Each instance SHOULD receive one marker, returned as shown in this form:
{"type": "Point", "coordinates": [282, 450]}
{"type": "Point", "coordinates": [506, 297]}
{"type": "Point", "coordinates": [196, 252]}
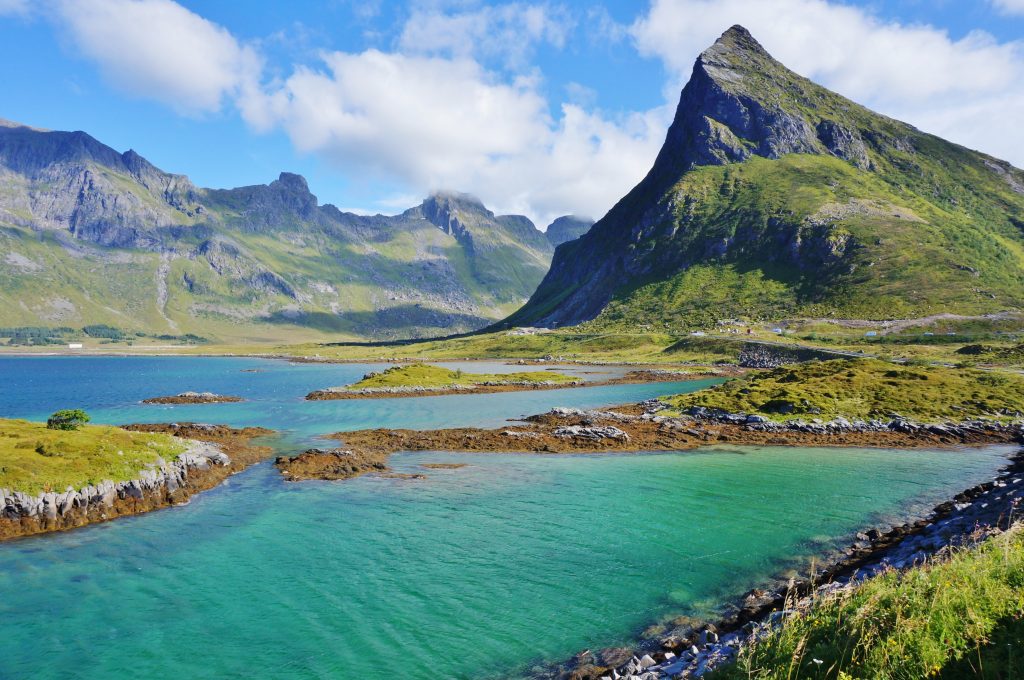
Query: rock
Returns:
{"type": "Point", "coordinates": [592, 433]}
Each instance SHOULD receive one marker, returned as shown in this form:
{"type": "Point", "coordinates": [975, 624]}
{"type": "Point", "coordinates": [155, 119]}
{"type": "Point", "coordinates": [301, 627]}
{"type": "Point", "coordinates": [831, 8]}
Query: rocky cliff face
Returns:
{"type": "Point", "coordinates": [773, 195]}
{"type": "Point", "coordinates": [91, 235]}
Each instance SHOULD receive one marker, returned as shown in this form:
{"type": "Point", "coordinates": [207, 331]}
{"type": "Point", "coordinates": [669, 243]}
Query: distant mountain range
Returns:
{"type": "Point", "coordinates": [89, 235]}
{"type": "Point", "coordinates": [774, 197]}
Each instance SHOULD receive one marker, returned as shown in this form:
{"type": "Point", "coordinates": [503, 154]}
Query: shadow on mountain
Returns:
{"type": "Point", "coordinates": [382, 323]}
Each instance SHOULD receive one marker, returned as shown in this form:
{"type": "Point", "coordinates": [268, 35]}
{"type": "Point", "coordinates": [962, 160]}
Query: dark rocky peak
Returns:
{"type": "Point", "coordinates": [293, 183]}
{"type": "Point", "coordinates": [453, 212]}
{"type": "Point", "coordinates": [567, 228]}
{"type": "Point", "coordinates": [30, 151]}
{"type": "Point", "coordinates": [741, 102]}
{"type": "Point", "coordinates": [136, 164]}
{"type": "Point", "coordinates": [443, 209]}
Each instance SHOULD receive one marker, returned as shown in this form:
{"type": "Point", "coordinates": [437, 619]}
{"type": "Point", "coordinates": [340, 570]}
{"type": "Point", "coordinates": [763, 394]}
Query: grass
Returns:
{"type": "Point", "coordinates": [654, 348]}
{"type": "Point", "coordinates": [424, 375]}
{"type": "Point", "coordinates": [34, 459]}
{"type": "Point", "coordinates": [864, 389]}
{"type": "Point", "coordinates": [958, 618]}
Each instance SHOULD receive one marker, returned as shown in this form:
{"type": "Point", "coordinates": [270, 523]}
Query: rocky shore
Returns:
{"type": "Point", "coordinates": [490, 387]}
{"type": "Point", "coordinates": [214, 452]}
{"type": "Point", "coordinates": [688, 648]}
{"type": "Point", "coordinates": [193, 398]}
{"type": "Point", "coordinates": [636, 428]}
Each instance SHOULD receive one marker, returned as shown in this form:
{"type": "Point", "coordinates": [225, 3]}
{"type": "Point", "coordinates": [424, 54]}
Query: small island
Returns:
{"type": "Point", "coordinates": [418, 380]}
{"type": "Point", "coordinates": [841, 402]}
{"type": "Point", "coordinates": [193, 398]}
{"type": "Point", "coordinates": [65, 473]}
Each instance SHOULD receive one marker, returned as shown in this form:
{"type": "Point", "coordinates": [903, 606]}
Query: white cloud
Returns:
{"type": "Point", "coordinates": [439, 123]}
{"type": "Point", "coordinates": [1009, 6]}
{"type": "Point", "coordinates": [14, 8]}
{"type": "Point", "coordinates": [966, 89]}
{"type": "Point", "coordinates": [432, 115]}
{"type": "Point", "coordinates": [508, 32]}
{"type": "Point", "coordinates": [160, 50]}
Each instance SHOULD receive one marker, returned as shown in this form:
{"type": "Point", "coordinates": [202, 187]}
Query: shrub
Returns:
{"type": "Point", "coordinates": [68, 419]}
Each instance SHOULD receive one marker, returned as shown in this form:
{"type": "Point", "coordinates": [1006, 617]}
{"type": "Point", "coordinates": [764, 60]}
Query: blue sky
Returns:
{"type": "Point", "coordinates": [542, 108]}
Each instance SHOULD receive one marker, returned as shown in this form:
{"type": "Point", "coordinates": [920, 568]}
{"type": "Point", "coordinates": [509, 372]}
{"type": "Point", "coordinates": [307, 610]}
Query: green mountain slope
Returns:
{"type": "Point", "coordinates": [773, 196]}
{"type": "Point", "coordinates": [92, 236]}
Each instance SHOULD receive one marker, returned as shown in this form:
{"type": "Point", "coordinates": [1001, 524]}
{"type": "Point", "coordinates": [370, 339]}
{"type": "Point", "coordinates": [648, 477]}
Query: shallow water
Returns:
{"type": "Point", "coordinates": [472, 572]}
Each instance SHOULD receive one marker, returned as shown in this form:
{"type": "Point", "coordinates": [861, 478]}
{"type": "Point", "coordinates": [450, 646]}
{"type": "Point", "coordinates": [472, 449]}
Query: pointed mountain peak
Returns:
{"type": "Point", "coordinates": [735, 54]}
{"type": "Point", "coordinates": [737, 39]}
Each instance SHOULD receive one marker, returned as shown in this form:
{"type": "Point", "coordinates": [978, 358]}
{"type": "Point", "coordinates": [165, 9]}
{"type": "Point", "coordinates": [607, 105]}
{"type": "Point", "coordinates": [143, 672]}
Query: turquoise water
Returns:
{"type": "Point", "coordinates": [473, 572]}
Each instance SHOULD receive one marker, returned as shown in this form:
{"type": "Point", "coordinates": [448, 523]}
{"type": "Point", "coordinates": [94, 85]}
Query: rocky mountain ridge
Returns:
{"type": "Point", "coordinates": [773, 196]}
{"type": "Point", "coordinates": [91, 235]}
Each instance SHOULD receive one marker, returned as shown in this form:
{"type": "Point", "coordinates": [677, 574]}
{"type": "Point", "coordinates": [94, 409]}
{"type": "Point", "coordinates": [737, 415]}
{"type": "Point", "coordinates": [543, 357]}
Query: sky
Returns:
{"type": "Point", "coordinates": [538, 108]}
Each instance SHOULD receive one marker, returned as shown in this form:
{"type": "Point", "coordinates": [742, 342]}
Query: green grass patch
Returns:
{"type": "Point", "coordinates": [425, 375]}
{"type": "Point", "coordinates": [35, 459]}
{"type": "Point", "coordinates": [960, 618]}
{"type": "Point", "coordinates": [863, 389]}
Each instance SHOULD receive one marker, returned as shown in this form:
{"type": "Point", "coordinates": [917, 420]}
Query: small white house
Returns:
{"type": "Point", "coordinates": [871, 334]}
{"type": "Point", "coordinates": [74, 345]}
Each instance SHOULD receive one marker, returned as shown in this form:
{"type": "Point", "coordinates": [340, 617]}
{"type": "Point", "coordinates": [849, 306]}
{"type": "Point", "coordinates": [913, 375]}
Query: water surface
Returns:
{"type": "Point", "coordinates": [473, 572]}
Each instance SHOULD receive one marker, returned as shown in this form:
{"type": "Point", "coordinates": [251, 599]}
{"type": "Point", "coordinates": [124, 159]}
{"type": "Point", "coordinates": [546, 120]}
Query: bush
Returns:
{"type": "Point", "coordinates": [68, 419]}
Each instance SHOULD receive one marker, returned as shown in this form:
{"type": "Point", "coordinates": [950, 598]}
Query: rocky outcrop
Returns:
{"type": "Point", "coordinates": [163, 483]}
{"type": "Point", "coordinates": [193, 398]}
{"type": "Point", "coordinates": [483, 387]}
{"type": "Point", "coordinates": [221, 452]}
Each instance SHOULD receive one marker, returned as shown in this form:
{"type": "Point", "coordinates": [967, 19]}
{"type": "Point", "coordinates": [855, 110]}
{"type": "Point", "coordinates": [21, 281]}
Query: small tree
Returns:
{"type": "Point", "coordinates": [68, 419]}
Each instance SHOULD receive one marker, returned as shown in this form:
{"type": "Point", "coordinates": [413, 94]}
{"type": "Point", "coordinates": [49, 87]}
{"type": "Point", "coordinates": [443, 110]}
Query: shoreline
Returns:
{"type": "Point", "coordinates": [692, 648]}
{"type": "Point", "coordinates": [630, 429]}
{"type": "Point", "coordinates": [218, 452]}
{"type": "Point", "coordinates": [638, 377]}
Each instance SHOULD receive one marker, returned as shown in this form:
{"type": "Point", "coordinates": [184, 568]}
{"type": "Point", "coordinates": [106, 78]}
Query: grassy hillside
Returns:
{"type": "Point", "coordinates": [865, 389]}
{"type": "Point", "coordinates": [867, 249]}
{"type": "Point", "coordinates": [34, 458]}
{"type": "Point", "coordinates": [606, 347]}
{"type": "Point", "coordinates": [962, 618]}
{"type": "Point", "coordinates": [92, 236]}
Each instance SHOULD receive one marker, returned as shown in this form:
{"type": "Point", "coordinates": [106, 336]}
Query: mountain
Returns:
{"type": "Point", "coordinates": [774, 197]}
{"type": "Point", "coordinates": [89, 235]}
{"type": "Point", "coordinates": [567, 228]}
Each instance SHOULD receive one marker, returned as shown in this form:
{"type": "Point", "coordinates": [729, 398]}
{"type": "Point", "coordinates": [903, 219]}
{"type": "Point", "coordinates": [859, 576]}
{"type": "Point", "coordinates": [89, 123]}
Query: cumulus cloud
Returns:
{"type": "Point", "coordinates": [508, 32]}
{"type": "Point", "coordinates": [458, 104]}
{"type": "Point", "coordinates": [441, 123]}
{"type": "Point", "coordinates": [963, 89]}
{"type": "Point", "coordinates": [161, 50]}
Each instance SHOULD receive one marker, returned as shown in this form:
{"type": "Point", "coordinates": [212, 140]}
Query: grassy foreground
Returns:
{"type": "Point", "coordinates": [35, 459]}
{"type": "Point", "coordinates": [864, 389]}
{"type": "Point", "coordinates": [425, 375]}
{"type": "Point", "coordinates": [959, 618]}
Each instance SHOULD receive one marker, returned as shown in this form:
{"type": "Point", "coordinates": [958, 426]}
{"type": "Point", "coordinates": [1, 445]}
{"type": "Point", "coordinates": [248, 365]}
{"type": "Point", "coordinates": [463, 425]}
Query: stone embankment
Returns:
{"type": "Point", "coordinates": [204, 465]}
{"type": "Point", "coordinates": [193, 398]}
{"type": "Point", "coordinates": [686, 648]}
